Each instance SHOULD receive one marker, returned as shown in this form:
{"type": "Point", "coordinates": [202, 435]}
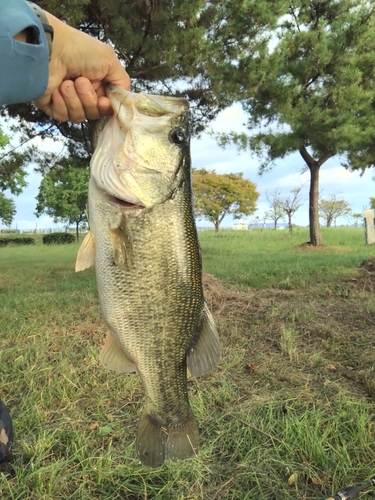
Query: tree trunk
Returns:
{"type": "Point", "coordinates": [77, 232]}
{"type": "Point", "coordinates": [314, 167]}
{"type": "Point", "coordinates": [290, 225]}
{"type": "Point", "coordinates": [315, 234]}
{"type": "Point", "coordinates": [217, 225]}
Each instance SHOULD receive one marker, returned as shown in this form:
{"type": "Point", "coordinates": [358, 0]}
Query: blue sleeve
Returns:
{"type": "Point", "coordinates": [23, 66]}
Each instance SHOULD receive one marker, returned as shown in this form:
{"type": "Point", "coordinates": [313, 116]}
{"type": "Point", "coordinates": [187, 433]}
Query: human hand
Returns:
{"type": "Point", "coordinates": [79, 70]}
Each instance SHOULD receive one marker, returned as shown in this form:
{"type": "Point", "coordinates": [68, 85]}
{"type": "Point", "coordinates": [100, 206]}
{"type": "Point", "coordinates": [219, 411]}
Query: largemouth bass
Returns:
{"type": "Point", "coordinates": [143, 242]}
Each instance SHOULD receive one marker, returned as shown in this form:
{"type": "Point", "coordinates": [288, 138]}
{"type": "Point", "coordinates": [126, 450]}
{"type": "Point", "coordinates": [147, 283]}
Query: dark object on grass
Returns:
{"type": "Point", "coordinates": [369, 264]}
{"type": "Point", "coordinates": [58, 238]}
{"type": "Point", "coordinates": [6, 433]}
{"type": "Point", "coordinates": [352, 492]}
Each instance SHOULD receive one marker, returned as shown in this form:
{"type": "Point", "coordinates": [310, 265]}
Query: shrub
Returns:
{"type": "Point", "coordinates": [16, 241]}
{"type": "Point", "coordinates": [58, 238]}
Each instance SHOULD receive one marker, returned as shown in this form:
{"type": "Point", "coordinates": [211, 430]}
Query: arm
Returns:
{"type": "Point", "coordinates": [76, 81]}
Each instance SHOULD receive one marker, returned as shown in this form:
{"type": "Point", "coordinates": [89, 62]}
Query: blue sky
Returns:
{"type": "Point", "coordinates": [285, 176]}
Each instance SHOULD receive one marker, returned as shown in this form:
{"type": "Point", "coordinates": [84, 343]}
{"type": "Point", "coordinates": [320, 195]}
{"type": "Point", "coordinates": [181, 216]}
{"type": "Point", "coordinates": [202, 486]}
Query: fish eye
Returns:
{"type": "Point", "coordinates": [177, 136]}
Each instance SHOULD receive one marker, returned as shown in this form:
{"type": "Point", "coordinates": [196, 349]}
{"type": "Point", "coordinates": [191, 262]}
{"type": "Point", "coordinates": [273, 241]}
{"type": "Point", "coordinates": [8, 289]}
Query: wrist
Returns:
{"type": "Point", "coordinates": [48, 29]}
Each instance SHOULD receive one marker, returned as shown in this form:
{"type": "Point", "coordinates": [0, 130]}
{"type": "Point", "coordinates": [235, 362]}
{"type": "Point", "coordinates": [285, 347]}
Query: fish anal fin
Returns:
{"type": "Point", "coordinates": [86, 254]}
{"type": "Point", "coordinates": [157, 443]}
{"type": "Point", "coordinates": [204, 355]}
{"type": "Point", "coordinates": [114, 358]}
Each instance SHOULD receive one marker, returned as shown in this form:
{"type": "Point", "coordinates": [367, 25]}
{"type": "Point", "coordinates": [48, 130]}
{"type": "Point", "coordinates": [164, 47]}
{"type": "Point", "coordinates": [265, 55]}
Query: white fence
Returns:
{"type": "Point", "coordinates": [43, 231]}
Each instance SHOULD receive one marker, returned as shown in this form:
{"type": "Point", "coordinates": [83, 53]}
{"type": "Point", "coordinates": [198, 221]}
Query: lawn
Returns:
{"type": "Point", "coordinates": [287, 414]}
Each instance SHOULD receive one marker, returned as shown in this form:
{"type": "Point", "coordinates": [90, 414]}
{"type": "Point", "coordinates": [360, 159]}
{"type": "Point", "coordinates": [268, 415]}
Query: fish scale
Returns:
{"type": "Point", "coordinates": [144, 244]}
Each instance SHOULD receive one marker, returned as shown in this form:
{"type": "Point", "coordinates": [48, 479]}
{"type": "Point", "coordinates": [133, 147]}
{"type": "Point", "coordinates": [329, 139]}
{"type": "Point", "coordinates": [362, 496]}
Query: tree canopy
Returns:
{"type": "Point", "coordinates": [12, 177]}
{"type": "Point", "coordinates": [63, 194]}
{"type": "Point", "coordinates": [180, 48]}
{"type": "Point", "coordinates": [216, 196]}
{"type": "Point", "coordinates": [315, 90]}
{"type": "Point", "coordinates": [7, 210]}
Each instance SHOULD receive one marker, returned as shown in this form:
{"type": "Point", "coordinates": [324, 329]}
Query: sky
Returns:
{"type": "Point", "coordinates": [285, 176]}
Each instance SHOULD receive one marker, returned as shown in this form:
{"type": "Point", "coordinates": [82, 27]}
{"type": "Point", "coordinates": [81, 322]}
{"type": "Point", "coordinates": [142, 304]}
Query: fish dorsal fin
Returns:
{"type": "Point", "coordinates": [113, 357]}
{"type": "Point", "coordinates": [86, 254]}
{"type": "Point", "coordinates": [205, 354]}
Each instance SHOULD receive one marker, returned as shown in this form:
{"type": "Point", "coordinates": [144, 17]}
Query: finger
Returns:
{"type": "Point", "coordinates": [88, 98]}
{"type": "Point", "coordinates": [57, 108]}
{"type": "Point", "coordinates": [104, 106]}
{"type": "Point", "coordinates": [72, 102]}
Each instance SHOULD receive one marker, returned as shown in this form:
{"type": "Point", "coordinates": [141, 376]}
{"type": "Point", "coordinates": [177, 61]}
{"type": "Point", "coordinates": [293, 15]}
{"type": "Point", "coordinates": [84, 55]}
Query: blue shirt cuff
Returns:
{"type": "Point", "coordinates": [23, 66]}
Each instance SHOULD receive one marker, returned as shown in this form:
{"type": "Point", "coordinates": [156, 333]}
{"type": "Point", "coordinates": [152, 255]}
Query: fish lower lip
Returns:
{"type": "Point", "coordinates": [123, 203]}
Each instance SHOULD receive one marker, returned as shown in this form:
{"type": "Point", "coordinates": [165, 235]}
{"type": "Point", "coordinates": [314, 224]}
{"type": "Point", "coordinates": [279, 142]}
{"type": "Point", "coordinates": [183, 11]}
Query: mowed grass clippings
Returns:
{"type": "Point", "coordinates": [288, 413]}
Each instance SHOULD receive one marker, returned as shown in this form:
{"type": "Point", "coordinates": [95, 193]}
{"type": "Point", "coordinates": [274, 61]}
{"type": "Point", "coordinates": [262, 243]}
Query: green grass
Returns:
{"type": "Point", "coordinates": [275, 259]}
{"type": "Point", "coordinates": [292, 398]}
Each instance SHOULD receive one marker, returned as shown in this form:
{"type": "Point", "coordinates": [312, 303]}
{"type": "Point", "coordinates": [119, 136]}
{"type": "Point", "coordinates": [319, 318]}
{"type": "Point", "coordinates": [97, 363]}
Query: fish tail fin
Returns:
{"type": "Point", "coordinates": [157, 442]}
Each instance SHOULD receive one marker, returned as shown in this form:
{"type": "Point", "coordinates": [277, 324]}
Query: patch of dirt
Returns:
{"type": "Point", "coordinates": [368, 264]}
{"type": "Point", "coordinates": [328, 338]}
{"type": "Point", "coordinates": [307, 246]}
{"type": "Point", "coordinates": [365, 279]}
{"type": "Point", "coordinates": [230, 303]}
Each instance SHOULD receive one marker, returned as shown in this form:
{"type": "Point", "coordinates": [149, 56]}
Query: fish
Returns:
{"type": "Point", "coordinates": [144, 245]}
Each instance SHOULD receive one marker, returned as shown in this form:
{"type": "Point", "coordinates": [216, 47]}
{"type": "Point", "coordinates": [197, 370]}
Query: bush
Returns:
{"type": "Point", "coordinates": [58, 238]}
{"type": "Point", "coordinates": [16, 241]}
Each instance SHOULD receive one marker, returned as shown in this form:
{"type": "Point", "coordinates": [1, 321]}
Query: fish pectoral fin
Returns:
{"type": "Point", "coordinates": [86, 254]}
{"type": "Point", "coordinates": [113, 357]}
{"type": "Point", "coordinates": [204, 355]}
{"type": "Point", "coordinates": [122, 248]}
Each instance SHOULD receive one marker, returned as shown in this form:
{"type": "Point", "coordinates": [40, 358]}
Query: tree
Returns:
{"type": "Point", "coordinates": [12, 176]}
{"type": "Point", "coordinates": [332, 208]}
{"type": "Point", "coordinates": [276, 212]}
{"type": "Point", "coordinates": [315, 91]}
{"type": "Point", "coordinates": [354, 218]}
{"type": "Point", "coordinates": [291, 204]}
{"type": "Point", "coordinates": [7, 209]}
{"type": "Point", "coordinates": [372, 203]}
{"type": "Point", "coordinates": [63, 194]}
{"type": "Point", "coordinates": [216, 196]}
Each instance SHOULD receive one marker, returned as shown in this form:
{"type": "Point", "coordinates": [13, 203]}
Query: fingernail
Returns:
{"type": "Point", "coordinates": [83, 87]}
{"type": "Point", "coordinates": [70, 91]}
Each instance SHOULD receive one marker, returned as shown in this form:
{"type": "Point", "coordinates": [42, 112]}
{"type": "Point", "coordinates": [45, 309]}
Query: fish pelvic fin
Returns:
{"type": "Point", "coordinates": [157, 442]}
{"type": "Point", "coordinates": [114, 358]}
{"type": "Point", "coordinates": [86, 254]}
{"type": "Point", "coordinates": [204, 355]}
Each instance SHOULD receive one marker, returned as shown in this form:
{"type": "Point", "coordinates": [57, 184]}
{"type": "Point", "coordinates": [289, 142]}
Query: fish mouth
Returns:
{"type": "Point", "coordinates": [123, 203]}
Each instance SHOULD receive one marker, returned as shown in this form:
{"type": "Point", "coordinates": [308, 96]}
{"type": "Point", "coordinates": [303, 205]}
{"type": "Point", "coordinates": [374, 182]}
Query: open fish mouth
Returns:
{"type": "Point", "coordinates": [122, 203]}
{"type": "Point", "coordinates": [125, 204]}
